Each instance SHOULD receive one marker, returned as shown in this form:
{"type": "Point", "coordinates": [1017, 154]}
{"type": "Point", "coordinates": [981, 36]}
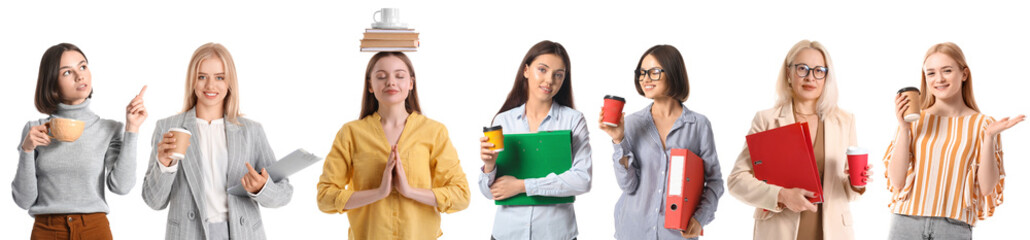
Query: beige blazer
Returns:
{"type": "Point", "coordinates": [774, 222]}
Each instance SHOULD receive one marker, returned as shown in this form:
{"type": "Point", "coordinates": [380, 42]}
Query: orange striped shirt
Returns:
{"type": "Point", "coordinates": [942, 177]}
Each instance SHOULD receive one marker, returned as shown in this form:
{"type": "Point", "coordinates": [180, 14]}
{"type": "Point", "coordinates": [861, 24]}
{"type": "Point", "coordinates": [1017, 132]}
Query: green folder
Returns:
{"type": "Point", "coordinates": [535, 155]}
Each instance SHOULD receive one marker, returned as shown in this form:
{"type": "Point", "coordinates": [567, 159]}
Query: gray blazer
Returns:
{"type": "Point", "coordinates": [246, 143]}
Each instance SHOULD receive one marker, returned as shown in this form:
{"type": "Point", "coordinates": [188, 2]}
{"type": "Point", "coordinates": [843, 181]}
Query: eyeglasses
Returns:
{"type": "Point", "coordinates": [654, 74]}
{"type": "Point", "coordinates": [802, 71]}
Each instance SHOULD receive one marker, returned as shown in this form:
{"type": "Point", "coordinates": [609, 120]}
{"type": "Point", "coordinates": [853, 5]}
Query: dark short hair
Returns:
{"type": "Point", "coordinates": [675, 71]}
{"type": "Point", "coordinates": [48, 93]}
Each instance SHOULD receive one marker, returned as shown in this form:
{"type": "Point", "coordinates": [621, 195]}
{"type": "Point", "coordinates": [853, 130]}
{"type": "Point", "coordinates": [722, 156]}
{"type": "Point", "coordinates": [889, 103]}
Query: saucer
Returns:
{"type": "Point", "coordinates": [387, 25]}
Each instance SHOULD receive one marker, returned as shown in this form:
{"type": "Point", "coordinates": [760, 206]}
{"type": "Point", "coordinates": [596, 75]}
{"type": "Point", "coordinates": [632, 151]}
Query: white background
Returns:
{"type": "Point", "coordinates": [301, 73]}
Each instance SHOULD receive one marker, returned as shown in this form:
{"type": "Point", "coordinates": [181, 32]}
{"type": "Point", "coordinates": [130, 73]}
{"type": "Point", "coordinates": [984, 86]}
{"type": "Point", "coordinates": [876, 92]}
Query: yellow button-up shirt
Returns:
{"type": "Point", "coordinates": [356, 162]}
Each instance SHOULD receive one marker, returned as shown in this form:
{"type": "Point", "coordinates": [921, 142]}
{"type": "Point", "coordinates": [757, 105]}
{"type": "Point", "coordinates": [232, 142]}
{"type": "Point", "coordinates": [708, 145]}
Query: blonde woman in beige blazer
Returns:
{"type": "Point", "coordinates": [808, 93]}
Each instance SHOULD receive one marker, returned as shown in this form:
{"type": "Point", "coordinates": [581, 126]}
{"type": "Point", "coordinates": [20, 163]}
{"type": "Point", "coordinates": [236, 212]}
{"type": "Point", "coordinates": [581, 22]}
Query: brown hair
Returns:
{"type": "Point", "coordinates": [48, 94]}
{"type": "Point", "coordinates": [520, 90]}
{"type": "Point", "coordinates": [232, 96]}
{"type": "Point", "coordinates": [369, 104]}
{"type": "Point", "coordinates": [955, 53]}
{"type": "Point", "coordinates": [675, 71]}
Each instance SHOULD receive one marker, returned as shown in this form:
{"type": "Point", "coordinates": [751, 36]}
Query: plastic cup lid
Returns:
{"type": "Point", "coordinates": [613, 97]}
{"type": "Point", "coordinates": [853, 150]}
{"type": "Point", "coordinates": [906, 89]}
{"type": "Point", "coordinates": [180, 130]}
{"type": "Point", "coordinates": [487, 129]}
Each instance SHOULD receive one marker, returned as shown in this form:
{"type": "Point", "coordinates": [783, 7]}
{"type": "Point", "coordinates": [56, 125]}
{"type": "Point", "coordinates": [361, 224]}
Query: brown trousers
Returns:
{"type": "Point", "coordinates": [88, 226]}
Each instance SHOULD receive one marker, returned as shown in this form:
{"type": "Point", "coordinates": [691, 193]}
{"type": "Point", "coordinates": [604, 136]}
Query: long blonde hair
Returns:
{"type": "Point", "coordinates": [955, 53]}
{"type": "Point", "coordinates": [827, 103]}
{"type": "Point", "coordinates": [232, 96]}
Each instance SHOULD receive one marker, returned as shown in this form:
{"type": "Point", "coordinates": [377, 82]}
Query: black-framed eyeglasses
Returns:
{"type": "Point", "coordinates": [802, 71]}
{"type": "Point", "coordinates": [654, 74]}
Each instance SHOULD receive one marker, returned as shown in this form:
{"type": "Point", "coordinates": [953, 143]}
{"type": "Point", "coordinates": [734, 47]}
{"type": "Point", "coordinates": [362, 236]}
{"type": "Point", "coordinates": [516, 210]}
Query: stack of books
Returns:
{"type": "Point", "coordinates": [389, 40]}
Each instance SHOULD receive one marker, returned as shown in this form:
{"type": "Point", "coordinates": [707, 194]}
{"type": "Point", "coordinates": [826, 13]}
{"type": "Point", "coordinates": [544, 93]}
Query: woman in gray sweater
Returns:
{"type": "Point", "coordinates": [60, 179]}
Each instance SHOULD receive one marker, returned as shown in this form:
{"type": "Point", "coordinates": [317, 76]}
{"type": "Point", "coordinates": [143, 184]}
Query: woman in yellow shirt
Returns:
{"type": "Point", "coordinates": [393, 170]}
{"type": "Point", "coordinates": [944, 170]}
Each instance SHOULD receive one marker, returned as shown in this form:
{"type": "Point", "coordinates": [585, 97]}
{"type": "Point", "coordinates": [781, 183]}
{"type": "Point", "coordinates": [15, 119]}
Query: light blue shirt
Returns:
{"type": "Point", "coordinates": [640, 212]}
{"type": "Point", "coordinates": [557, 221]}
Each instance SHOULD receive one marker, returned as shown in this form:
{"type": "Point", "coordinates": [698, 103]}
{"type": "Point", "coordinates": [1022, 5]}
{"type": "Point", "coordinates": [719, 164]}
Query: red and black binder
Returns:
{"type": "Point", "coordinates": [783, 156]}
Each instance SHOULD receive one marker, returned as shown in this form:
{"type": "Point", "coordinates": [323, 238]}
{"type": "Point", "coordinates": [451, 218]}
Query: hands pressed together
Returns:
{"type": "Point", "coordinates": [394, 176]}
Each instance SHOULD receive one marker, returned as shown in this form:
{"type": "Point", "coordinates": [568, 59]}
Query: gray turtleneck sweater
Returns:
{"type": "Point", "coordinates": [69, 177]}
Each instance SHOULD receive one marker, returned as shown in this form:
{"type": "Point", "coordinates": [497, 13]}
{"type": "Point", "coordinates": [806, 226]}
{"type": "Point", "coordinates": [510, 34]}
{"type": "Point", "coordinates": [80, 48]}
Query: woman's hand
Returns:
{"type": "Point", "coordinates": [400, 179]}
{"type": "Point", "coordinates": [693, 229]}
{"type": "Point", "coordinates": [866, 174]}
{"type": "Point", "coordinates": [900, 106]}
{"type": "Point", "coordinates": [617, 132]}
{"type": "Point", "coordinates": [252, 181]}
{"type": "Point", "coordinates": [364, 197]}
{"type": "Point", "coordinates": [506, 187]}
{"type": "Point", "coordinates": [37, 137]}
{"type": "Point", "coordinates": [999, 126]}
{"type": "Point", "coordinates": [164, 150]}
{"type": "Point", "coordinates": [387, 182]}
{"type": "Point", "coordinates": [489, 156]}
{"type": "Point", "coordinates": [135, 113]}
{"type": "Point", "coordinates": [794, 199]}
{"type": "Point", "coordinates": [400, 182]}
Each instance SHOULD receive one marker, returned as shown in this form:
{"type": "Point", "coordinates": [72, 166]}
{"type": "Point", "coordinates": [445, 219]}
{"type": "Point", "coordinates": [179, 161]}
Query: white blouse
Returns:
{"type": "Point", "coordinates": [214, 158]}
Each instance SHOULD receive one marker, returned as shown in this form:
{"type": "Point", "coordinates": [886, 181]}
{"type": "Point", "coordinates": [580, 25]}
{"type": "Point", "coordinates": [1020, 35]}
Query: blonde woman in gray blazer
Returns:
{"type": "Point", "coordinates": [225, 150]}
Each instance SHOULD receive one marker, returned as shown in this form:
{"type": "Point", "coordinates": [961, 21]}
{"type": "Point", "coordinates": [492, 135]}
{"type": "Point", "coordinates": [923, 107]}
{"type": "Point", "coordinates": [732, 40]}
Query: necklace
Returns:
{"type": "Point", "coordinates": [804, 116]}
{"type": "Point", "coordinates": [800, 116]}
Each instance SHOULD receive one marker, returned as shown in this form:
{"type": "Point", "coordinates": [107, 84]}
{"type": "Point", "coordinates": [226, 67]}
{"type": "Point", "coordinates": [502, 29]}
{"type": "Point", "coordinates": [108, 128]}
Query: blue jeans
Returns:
{"type": "Point", "coordinates": [906, 227]}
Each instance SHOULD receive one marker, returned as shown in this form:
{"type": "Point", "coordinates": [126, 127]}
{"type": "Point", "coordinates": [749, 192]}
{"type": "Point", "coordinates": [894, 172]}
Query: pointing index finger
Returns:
{"type": "Point", "coordinates": [141, 91]}
{"type": "Point", "coordinates": [250, 169]}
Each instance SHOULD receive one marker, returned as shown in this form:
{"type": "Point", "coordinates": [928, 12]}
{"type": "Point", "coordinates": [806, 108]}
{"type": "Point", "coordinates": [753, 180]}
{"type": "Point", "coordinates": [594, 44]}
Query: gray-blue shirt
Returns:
{"type": "Point", "coordinates": [640, 212]}
{"type": "Point", "coordinates": [557, 221]}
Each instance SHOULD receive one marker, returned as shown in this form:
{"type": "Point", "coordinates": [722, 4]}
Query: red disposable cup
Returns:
{"type": "Point", "coordinates": [857, 161]}
{"type": "Point", "coordinates": [613, 110]}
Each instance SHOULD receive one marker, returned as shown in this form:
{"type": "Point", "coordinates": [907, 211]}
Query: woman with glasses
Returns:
{"type": "Point", "coordinates": [642, 145]}
{"type": "Point", "coordinates": [960, 175]}
{"type": "Point", "coordinates": [807, 92]}
{"type": "Point", "coordinates": [540, 100]}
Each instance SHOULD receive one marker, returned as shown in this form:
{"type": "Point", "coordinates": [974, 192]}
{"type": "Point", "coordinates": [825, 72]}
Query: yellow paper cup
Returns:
{"type": "Point", "coordinates": [495, 135]}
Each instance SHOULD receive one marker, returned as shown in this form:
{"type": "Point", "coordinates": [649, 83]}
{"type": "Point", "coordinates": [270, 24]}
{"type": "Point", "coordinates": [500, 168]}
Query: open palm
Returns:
{"type": "Point", "coordinates": [1004, 124]}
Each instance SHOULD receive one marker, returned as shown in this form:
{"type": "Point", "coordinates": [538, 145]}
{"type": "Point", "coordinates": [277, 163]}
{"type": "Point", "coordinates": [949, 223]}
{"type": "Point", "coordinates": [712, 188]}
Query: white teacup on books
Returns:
{"type": "Point", "coordinates": [389, 18]}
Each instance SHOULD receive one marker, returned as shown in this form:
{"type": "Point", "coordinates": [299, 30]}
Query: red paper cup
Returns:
{"type": "Point", "coordinates": [857, 161]}
{"type": "Point", "coordinates": [612, 110]}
